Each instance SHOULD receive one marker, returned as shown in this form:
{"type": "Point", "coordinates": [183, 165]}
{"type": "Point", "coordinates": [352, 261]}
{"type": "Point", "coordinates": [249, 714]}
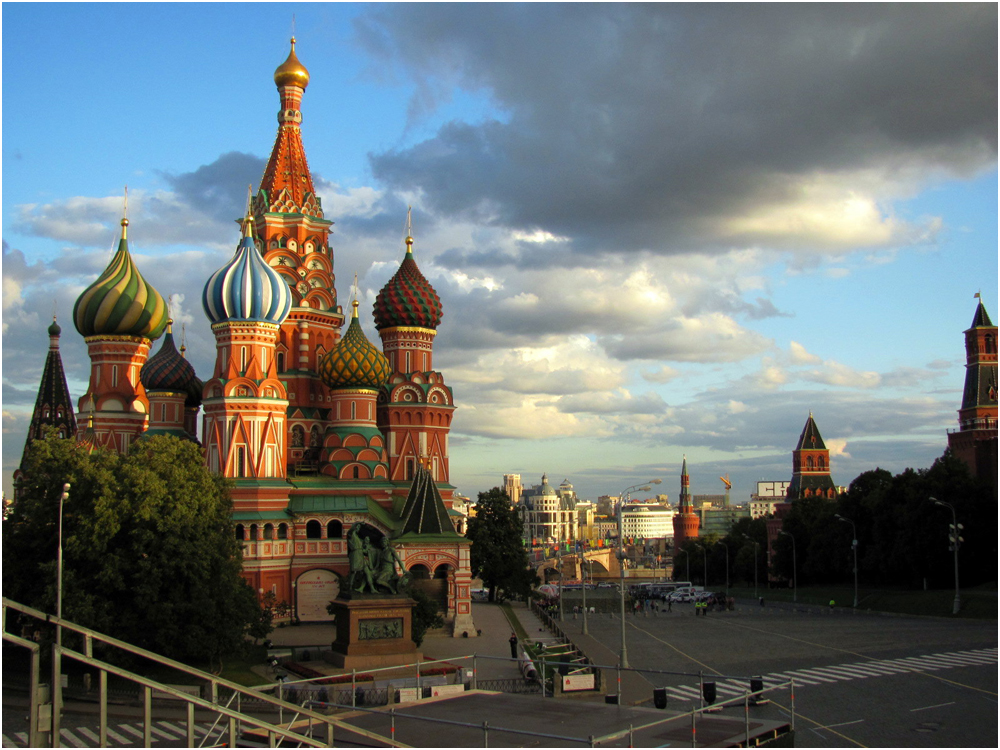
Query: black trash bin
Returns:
{"type": "Point", "coordinates": [613, 698]}
{"type": "Point", "coordinates": [660, 697]}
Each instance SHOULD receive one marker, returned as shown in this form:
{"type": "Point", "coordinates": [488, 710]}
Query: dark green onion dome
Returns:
{"type": "Point", "coordinates": [354, 362]}
{"type": "Point", "coordinates": [55, 329]}
{"type": "Point", "coordinates": [167, 370]}
{"type": "Point", "coordinates": [408, 299]}
{"type": "Point", "coordinates": [120, 302]}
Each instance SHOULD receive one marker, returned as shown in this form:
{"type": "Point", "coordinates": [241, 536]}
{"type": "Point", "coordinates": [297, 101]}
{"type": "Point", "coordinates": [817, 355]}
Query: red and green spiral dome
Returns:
{"type": "Point", "coordinates": [407, 299]}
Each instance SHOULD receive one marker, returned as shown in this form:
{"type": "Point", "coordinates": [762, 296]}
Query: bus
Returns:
{"type": "Point", "coordinates": [661, 589]}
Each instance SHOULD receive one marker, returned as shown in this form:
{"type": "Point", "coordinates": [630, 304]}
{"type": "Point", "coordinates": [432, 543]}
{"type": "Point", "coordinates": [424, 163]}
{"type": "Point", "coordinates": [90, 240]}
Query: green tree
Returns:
{"type": "Point", "coordinates": [498, 556]}
{"type": "Point", "coordinates": [149, 553]}
{"type": "Point", "coordinates": [426, 614]}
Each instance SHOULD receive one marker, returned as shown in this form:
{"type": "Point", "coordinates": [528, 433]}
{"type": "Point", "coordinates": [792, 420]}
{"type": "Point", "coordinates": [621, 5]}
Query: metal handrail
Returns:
{"type": "Point", "coordinates": [89, 635]}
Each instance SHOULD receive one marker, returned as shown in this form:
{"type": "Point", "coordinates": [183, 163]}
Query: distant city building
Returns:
{"type": "Point", "coordinates": [512, 486]}
{"type": "Point", "coordinates": [975, 442]}
{"type": "Point", "coordinates": [768, 495]}
{"type": "Point", "coordinates": [549, 514]}
{"type": "Point", "coordinates": [719, 520]}
{"type": "Point", "coordinates": [647, 521]}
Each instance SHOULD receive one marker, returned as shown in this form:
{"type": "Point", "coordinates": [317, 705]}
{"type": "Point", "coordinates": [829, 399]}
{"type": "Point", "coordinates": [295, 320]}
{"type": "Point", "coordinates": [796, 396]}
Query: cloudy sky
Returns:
{"type": "Point", "coordinates": [657, 230]}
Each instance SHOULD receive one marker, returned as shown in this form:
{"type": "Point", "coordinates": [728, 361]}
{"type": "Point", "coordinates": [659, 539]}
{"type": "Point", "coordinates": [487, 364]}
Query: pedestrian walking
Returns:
{"type": "Point", "coordinates": [670, 605]}
{"type": "Point", "coordinates": [513, 645]}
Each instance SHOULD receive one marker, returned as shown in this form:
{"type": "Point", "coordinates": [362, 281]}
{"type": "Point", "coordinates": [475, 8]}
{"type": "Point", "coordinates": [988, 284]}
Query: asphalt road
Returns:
{"type": "Point", "coordinates": [880, 681]}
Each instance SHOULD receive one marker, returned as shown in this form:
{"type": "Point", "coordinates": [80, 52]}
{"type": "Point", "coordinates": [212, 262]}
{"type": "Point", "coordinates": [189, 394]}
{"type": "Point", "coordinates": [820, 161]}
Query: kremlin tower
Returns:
{"type": "Point", "coordinates": [975, 442]}
{"type": "Point", "coordinates": [686, 521]}
{"type": "Point", "coordinates": [811, 465]}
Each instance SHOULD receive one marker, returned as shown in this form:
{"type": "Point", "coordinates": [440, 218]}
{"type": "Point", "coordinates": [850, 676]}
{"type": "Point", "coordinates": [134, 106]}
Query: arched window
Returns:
{"type": "Point", "coordinates": [820, 463]}
{"type": "Point", "coordinates": [282, 531]}
{"type": "Point", "coordinates": [314, 530]}
{"type": "Point", "coordinates": [268, 531]}
{"type": "Point", "coordinates": [441, 571]}
{"type": "Point", "coordinates": [281, 361]}
{"type": "Point", "coordinates": [809, 463]}
{"type": "Point", "coordinates": [253, 532]}
{"type": "Point", "coordinates": [420, 572]}
{"type": "Point", "coordinates": [240, 532]}
{"type": "Point", "coordinates": [334, 530]}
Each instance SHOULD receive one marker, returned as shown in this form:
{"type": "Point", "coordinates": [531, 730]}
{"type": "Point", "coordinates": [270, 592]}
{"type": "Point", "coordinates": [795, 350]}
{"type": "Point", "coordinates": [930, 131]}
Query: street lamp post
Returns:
{"type": "Point", "coordinates": [59, 565]}
{"type": "Point", "coordinates": [795, 575]}
{"type": "Point", "coordinates": [727, 566]}
{"type": "Point", "coordinates": [854, 546]}
{"type": "Point", "coordinates": [583, 575]}
{"type": "Point", "coordinates": [704, 559]}
{"type": "Point", "coordinates": [623, 654]}
{"type": "Point", "coordinates": [559, 563]}
{"type": "Point", "coordinates": [756, 554]}
{"type": "Point", "coordinates": [687, 561]}
{"type": "Point", "coordinates": [955, 539]}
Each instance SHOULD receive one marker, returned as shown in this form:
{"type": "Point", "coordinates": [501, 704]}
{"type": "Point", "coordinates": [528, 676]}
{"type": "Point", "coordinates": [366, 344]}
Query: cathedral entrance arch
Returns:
{"type": "Point", "coordinates": [315, 589]}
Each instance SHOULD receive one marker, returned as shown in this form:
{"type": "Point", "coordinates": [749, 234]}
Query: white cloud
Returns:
{"type": "Point", "coordinates": [799, 355]}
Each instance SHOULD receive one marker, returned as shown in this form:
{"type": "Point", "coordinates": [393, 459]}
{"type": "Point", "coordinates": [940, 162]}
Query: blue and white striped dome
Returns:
{"type": "Point", "coordinates": [247, 288]}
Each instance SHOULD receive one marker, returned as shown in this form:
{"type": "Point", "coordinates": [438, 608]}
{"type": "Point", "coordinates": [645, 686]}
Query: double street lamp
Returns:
{"type": "Point", "coordinates": [704, 559]}
{"type": "Point", "coordinates": [955, 539]}
{"type": "Point", "coordinates": [854, 546]}
{"type": "Point", "coordinates": [795, 575]}
{"type": "Point", "coordinates": [623, 654]}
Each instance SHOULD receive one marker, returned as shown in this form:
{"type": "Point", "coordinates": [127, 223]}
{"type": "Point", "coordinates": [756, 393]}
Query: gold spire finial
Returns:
{"type": "Point", "coordinates": [124, 221]}
{"type": "Point", "coordinates": [183, 332]}
{"type": "Point", "coordinates": [409, 229]}
{"type": "Point", "coordinates": [248, 218]}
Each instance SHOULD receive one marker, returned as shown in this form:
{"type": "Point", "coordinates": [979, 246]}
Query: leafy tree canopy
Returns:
{"type": "Point", "coordinates": [149, 553]}
{"type": "Point", "coordinates": [498, 556]}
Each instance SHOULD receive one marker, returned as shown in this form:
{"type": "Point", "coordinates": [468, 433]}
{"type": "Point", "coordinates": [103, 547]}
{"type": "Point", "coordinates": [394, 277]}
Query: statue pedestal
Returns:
{"type": "Point", "coordinates": [373, 630]}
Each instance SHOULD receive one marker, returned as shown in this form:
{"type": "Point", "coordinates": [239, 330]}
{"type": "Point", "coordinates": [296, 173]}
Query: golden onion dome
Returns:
{"type": "Point", "coordinates": [291, 72]}
{"type": "Point", "coordinates": [354, 362]}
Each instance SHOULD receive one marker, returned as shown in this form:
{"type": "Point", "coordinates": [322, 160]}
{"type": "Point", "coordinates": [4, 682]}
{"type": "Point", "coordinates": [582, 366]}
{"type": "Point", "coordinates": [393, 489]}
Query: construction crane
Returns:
{"type": "Point", "coordinates": [729, 486]}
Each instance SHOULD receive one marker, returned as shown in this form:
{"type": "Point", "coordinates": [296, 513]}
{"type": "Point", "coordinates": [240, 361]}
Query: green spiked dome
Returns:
{"type": "Point", "coordinates": [120, 302]}
{"type": "Point", "coordinates": [354, 362]}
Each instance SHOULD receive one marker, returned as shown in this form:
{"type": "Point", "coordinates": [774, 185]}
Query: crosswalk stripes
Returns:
{"type": "Point", "coordinates": [841, 672]}
{"type": "Point", "coordinates": [118, 735]}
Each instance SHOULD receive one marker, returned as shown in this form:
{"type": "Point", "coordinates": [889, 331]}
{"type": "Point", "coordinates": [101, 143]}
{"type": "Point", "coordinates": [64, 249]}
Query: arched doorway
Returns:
{"type": "Point", "coordinates": [315, 589]}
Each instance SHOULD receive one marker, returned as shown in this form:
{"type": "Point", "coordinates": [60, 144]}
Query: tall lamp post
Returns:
{"type": "Point", "coordinates": [704, 560]}
{"type": "Point", "coordinates": [727, 566]}
{"type": "Point", "coordinates": [559, 563]}
{"type": "Point", "coordinates": [623, 654]}
{"type": "Point", "coordinates": [582, 557]}
{"type": "Point", "coordinates": [756, 554]}
{"type": "Point", "coordinates": [955, 540]}
{"type": "Point", "coordinates": [687, 561]}
{"type": "Point", "coordinates": [59, 565]}
{"type": "Point", "coordinates": [795, 575]}
{"type": "Point", "coordinates": [854, 546]}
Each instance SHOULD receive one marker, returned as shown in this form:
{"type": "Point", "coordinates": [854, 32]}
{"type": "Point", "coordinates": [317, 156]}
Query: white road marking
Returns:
{"type": "Point", "coordinates": [939, 705]}
{"type": "Point", "coordinates": [119, 738]}
{"type": "Point", "coordinates": [72, 738]}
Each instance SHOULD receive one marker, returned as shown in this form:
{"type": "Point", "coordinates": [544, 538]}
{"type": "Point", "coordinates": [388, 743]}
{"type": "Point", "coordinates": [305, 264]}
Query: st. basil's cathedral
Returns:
{"type": "Point", "coordinates": [317, 430]}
